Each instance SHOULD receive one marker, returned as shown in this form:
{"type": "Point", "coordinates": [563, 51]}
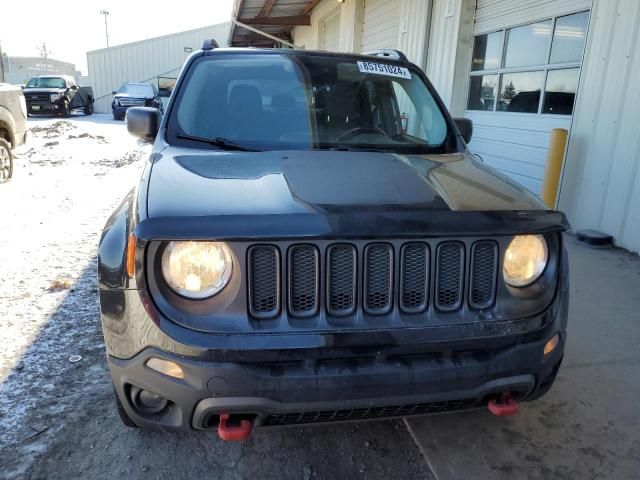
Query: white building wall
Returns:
{"type": "Point", "coordinates": [601, 179]}
{"type": "Point", "coordinates": [411, 36]}
{"type": "Point", "coordinates": [144, 61]}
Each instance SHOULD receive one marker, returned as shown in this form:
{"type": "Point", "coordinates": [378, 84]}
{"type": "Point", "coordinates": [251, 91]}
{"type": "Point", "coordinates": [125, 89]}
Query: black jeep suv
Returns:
{"type": "Point", "coordinates": [312, 241]}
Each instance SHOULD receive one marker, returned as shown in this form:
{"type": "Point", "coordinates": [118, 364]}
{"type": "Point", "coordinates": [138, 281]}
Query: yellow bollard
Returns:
{"type": "Point", "coordinates": [553, 168]}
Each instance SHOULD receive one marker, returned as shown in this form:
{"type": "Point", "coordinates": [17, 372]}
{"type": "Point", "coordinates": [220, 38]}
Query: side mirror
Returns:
{"type": "Point", "coordinates": [73, 87]}
{"type": "Point", "coordinates": [143, 122]}
{"type": "Point", "coordinates": [113, 92]}
{"type": "Point", "coordinates": [465, 127]}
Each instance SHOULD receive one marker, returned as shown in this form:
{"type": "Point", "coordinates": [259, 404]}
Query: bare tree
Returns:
{"type": "Point", "coordinates": [44, 54]}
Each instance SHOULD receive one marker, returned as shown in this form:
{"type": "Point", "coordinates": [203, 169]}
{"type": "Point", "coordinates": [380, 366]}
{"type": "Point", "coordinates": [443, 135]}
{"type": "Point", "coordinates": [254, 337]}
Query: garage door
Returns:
{"type": "Point", "coordinates": [525, 68]}
{"type": "Point", "coordinates": [331, 33]}
{"type": "Point", "coordinates": [381, 21]}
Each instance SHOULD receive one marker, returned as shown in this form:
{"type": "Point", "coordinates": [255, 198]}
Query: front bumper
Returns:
{"type": "Point", "coordinates": [34, 108]}
{"type": "Point", "coordinates": [357, 388]}
{"type": "Point", "coordinates": [119, 111]}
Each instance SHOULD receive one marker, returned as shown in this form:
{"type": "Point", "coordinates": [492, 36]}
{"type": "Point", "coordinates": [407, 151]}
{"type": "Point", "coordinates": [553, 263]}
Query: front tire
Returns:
{"type": "Point", "coordinates": [122, 413]}
{"type": "Point", "coordinates": [66, 110]}
{"type": "Point", "coordinates": [6, 161]}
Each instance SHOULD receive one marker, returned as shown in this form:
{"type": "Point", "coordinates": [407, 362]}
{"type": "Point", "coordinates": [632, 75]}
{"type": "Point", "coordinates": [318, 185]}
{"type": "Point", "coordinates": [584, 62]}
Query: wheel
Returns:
{"type": "Point", "coordinates": [126, 420]}
{"type": "Point", "coordinates": [88, 109]}
{"type": "Point", "coordinates": [6, 161]}
{"type": "Point", "coordinates": [66, 110]}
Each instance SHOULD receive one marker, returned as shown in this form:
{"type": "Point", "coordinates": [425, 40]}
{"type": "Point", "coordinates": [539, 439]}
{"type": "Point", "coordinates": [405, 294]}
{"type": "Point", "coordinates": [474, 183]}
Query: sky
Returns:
{"type": "Point", "coordinates": [25, 26]}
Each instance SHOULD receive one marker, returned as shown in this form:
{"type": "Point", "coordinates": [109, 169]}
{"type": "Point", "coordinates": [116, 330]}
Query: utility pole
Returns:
{"type": "Point", "coordinates": [44, 53]}
{"type": "Point", "coordinates": [106, 27]}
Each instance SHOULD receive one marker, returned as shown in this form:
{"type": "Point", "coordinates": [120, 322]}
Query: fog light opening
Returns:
{"type": "Point", "coordinates": [551, 345]}
{"type": "Point", "coordinates": [166, 367]}
{"type": "Point", "coordinates": [146, 401]}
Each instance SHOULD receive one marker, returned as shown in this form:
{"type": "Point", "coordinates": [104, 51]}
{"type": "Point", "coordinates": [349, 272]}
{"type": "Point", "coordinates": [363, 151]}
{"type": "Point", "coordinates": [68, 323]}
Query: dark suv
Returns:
{"type": "Point", "coordinates": [132, 95]}
{"type": "Point", "coordinates": [312, 241]}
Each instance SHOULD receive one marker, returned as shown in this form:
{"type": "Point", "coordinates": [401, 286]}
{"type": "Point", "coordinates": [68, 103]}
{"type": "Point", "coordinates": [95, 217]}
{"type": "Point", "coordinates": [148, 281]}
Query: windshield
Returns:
{"type": "Point", "coordinates": [140, 91]}
{"type": "Point", "coordinates": [277, 102]}
{"type": "Point", "coordinates": [47, 82]}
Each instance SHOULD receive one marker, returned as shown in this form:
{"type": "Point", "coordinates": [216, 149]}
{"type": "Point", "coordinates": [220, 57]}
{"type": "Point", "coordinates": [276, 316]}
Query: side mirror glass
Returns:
{"type": "Point", "coordinates": [465, 127]}
{"type": "Point", "coordinates": [143, 122]}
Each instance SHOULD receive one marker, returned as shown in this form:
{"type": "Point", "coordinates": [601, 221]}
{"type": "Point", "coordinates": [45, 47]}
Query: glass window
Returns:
{"type": "Point", "coordinates": [274, 102]}
{"type": "Point", "coordinates": [482, 92]}
{"type": "Point", "coordinates": [560, 91]}
{"type": "Point", "coordinates": [487, 51]}
{"type": "Point", "coordinates": [520, 92]}
{"type": "Point", "coordinates": [165, 86]}
{"type": "Point", "coordinates": [568, 38]}
{"type": "Point", "coordinates": [528, 45]}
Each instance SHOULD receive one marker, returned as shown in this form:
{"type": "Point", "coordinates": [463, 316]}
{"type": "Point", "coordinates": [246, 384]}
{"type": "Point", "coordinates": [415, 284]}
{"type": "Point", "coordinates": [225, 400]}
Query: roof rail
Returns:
{"type": "Point", "coordinates": [210, 44]}
{"type": "Point", "coordinates": [387, 52]}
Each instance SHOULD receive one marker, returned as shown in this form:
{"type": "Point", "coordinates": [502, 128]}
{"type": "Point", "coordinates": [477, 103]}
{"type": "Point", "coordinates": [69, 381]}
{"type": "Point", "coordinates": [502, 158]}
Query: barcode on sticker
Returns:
{"type": "Point", "coordinates": [384, 69]}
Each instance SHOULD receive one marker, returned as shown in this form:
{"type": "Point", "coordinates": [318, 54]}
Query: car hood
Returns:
{"type": "Point", "coordinates": [126, 95]}
{"type": "Point", "coordinates": [199, 183]}
{"type": "Point", "coordinates": [44, 90]}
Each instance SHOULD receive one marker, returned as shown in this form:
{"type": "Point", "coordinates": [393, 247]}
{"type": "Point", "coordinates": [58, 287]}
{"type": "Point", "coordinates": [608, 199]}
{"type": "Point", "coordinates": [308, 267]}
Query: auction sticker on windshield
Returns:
{"type": "Point", "coordinates": [384, 69]}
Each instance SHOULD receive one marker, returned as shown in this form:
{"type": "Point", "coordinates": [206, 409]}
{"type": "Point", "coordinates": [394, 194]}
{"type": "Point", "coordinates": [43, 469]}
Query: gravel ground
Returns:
{"type": "Point", "coordinates": [57, 417]}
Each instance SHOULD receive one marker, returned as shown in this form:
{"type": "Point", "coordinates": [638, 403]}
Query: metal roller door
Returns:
{"type": "Point", "coordinates": [381, 23]}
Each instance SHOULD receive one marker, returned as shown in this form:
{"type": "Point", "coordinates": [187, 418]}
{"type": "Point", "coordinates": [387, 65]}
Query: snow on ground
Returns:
{"type": "Point", "coordinates": [67, 179]}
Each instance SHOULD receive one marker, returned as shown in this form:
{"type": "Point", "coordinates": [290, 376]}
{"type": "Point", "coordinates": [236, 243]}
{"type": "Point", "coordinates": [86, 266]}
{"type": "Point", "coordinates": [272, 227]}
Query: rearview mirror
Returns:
{"type": "Point", "coordinates": [465, 127]}
{"type": "Point", "coordinates": [143, 122]}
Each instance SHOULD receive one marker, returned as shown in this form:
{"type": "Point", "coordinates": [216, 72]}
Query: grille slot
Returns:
{"type": "Point", "coordinates": [449, 276]}
{"type": "Point", "coordinates": [341, 280]}
{"type": "Point", "coordinates": [378, 278]}
{"type": "Point", "coordinates": [264, 281]}
{"type": "Point", "coordinates": [414, 277]}
{"type": "Point", "coordinates": [484, 263]}
{"type": "Point", "coordinates": [367, 413]}
{"type": "Point", "coordinates": [304, 276]}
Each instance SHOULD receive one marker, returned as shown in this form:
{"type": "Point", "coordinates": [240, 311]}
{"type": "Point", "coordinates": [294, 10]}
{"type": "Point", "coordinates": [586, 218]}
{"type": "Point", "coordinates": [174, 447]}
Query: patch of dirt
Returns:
{"type": "Point", "coordinates": [54, 130]}
{"type": "Point", "coordinates": [99, 138]}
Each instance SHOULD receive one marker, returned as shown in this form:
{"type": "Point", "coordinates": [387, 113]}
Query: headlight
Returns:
{"type": "Point", "coordinates": [196, 269]}
{"type": "Point", "coordinates": [55, 97]}
{"type": "Point", "coordinates": [525, 260]}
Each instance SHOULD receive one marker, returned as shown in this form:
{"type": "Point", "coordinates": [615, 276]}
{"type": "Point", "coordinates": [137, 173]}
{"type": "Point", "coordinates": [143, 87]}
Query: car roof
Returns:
{"type": "Point", "coordinates": [137, 83]}
{"type": "Point", "coordinates": [380, 55]}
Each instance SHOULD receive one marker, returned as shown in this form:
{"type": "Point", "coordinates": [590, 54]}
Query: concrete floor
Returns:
{"type": "Point", "coordinates": [587, 426]}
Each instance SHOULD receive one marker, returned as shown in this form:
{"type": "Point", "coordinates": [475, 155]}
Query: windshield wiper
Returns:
{"type": "Point", "coordinates": [219, 142]}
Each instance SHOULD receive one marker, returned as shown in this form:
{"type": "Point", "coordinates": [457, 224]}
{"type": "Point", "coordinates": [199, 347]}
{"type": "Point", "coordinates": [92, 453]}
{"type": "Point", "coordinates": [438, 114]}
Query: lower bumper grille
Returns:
{"type": "Point", "coordinates": [367, 413]}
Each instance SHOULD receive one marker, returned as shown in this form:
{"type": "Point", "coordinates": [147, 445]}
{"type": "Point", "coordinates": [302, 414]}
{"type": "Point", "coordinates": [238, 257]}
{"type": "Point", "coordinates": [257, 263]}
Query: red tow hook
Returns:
{"type": "Point", "coordinates": [504, 406]}
{"type": "Point", "coordinates": [236, 432]}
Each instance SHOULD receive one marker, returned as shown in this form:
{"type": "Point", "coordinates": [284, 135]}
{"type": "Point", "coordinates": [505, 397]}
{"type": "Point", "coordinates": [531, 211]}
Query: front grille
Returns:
{"type": "Point", "coordinates": [304, 280]}
{"type": "Point", "coordinates": [449, 276]}
{"type": "Point", "coordinates": [264, 281]}
{"type": "Point", "coordinates": [405, 276]}
{"type": "Point", "coordinates": [414, 277]}
{"type": "Point", "coordinates": [131, 102]}
{"type": "Point", "coordinates": [341, 280]}
{"type": "Point", "coordinates": [367, 413]}
{"type": "Point", "coordinates": [378, 278]}
{"type": "Point", "coordinates": [484, 267]}
{"type": "Point", "coordinates": [37, 97]}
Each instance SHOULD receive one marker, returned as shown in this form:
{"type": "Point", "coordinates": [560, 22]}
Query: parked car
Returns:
{"type": "Point", "coordinates": [58, 95]}
{"type": "Point", "coordinates": [312, 241]}
{"type": "Point", "coordinates": [13, 126]}
{"type": "Point", "coordinates": [132, 95]}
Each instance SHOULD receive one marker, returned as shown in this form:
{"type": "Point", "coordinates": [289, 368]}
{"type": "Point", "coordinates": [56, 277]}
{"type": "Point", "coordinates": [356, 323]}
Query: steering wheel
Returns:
{"type": "Point", "coordinates": [354, 132]}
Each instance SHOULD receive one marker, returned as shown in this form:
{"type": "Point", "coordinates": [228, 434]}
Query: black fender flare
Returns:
{"type": "Point", "coordinates": [8, 123]}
